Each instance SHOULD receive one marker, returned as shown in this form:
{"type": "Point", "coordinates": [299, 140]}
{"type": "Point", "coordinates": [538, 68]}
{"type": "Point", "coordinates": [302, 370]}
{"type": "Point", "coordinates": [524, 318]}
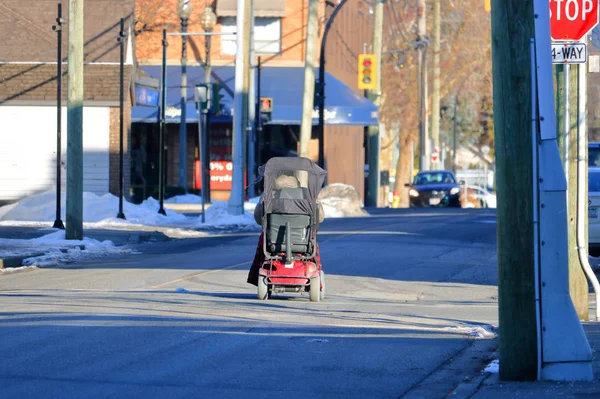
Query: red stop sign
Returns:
{"type": "Point", "coordinates": [571, 20]}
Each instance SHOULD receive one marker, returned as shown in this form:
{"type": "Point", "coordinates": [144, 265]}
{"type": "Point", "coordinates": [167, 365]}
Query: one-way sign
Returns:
{"type": "Point", "coordinates": [569, 53]}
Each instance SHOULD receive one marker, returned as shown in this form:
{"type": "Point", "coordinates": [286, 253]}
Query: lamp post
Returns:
{"type": "Point", "coordinates": [208, 20]}
{"type": "Point", "coordinates": [184, 10]}
{"type": "Point", "coordinates": [58, 224]}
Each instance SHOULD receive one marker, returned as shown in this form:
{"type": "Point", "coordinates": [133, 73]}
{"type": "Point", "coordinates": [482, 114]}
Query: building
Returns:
{"type": "Point", "coordinates": [28, 96]}
{"type": "Point", "coordinates": [279, 35]}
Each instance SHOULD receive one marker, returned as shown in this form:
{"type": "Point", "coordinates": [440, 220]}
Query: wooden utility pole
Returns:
{"type": "Point", "coordinates": [513, 21]}
{"type": "Point", "coordinates": [375, 96]}
{"type": "Point", "coordinates": [74, 219]}
{"type": "Point", "coordinates": [435, 101]}
{"type": "Point", "coordinates": [240, 107]}
{"type": "Point", "coordinates": [310, 61]}
{"type": "Point", "coordinates": [422, 43]}
{"type": "Point", "coordinates": [578, 286]}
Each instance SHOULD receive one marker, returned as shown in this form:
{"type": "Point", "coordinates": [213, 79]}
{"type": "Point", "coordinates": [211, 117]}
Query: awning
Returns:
{"type": "Point", "coordinates": [343, 105]}
{"type": "Point", "coordinates": [262, 8]}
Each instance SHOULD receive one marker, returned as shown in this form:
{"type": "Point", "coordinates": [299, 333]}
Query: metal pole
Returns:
{"type": "Point", "coordinates": [567, 122]}
{"type": "Point", "coordinates": [121, 40]}
{"type": "Point", "coordinates": [161, 145]}
{"type": "Point", "coordinates": [206, 141]}
{"type": "Point", "coordinates": [74, 226]}
{"type": "Point", "coordinates": [258, 118]}
{"type": "Point", "coordinates": [183, 121]}
{"type": "Point", "coordinates": [58, 224]}
{"type": "Point", "coordinates": [454, 134]}
{"type": "Point", "coordinates": [322, 84]}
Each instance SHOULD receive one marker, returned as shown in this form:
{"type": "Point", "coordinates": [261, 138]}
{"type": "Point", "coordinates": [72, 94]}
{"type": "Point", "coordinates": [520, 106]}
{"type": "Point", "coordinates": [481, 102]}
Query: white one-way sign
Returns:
{"type": "Point", "coordinates": [569, 53]}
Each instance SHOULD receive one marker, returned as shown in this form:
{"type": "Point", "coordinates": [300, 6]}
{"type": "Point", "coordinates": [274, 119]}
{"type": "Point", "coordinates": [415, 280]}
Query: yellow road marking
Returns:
{"type": "Point", "coordinates": [200, 274]}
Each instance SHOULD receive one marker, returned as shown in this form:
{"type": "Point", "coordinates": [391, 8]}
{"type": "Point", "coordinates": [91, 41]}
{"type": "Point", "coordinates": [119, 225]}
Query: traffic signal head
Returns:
{"type": "Point", "coordinates": [216, 98]}
{"type": "Point", "coordinates": [367, 71]}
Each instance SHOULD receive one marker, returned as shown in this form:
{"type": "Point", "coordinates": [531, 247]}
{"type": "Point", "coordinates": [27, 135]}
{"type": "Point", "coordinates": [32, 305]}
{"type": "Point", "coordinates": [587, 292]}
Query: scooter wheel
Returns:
{"type": "Point", "coordinates": [263, 289]}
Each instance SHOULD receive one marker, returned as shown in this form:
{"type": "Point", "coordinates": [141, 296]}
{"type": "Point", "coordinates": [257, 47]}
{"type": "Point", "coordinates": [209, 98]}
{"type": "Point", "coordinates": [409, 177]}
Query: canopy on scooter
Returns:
{"type": "Point", "coordinates": [292, 185]}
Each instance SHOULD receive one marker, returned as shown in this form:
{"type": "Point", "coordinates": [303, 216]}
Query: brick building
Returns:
{"type": "Point", "coordinates": [280, 35]}
{"type": "Point", "coordinates": [28, 89]}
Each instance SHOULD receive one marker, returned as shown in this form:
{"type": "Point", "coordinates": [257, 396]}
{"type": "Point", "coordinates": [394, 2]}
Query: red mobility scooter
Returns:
{"type": "Point", "coordinates": [290, 221]}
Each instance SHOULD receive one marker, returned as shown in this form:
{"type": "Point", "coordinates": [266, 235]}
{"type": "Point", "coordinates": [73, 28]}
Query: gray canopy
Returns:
{"type": "Point", "coordinates": [299, 198]}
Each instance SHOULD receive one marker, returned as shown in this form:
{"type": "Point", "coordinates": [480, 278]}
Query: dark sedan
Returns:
{"type": "Point", "coordinates": [434, 189]}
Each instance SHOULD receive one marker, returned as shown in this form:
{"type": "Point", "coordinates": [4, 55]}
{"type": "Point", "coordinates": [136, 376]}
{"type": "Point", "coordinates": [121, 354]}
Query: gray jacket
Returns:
{"type": "Point", "coordinates": [258, 212]}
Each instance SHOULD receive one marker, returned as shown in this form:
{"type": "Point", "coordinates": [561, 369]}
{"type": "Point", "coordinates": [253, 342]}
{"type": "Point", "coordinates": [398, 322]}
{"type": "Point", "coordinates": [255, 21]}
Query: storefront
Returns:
{"type": "Point", "coordinates": [280, 135]}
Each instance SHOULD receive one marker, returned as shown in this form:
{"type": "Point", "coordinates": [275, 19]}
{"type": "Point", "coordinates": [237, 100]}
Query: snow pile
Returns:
{"type": "Point", "coordinates": [185, 199]}
{"type": "Point", "coordinates": [476, 331]}
{"type": "Point", "coordinates": [57, 250]}
{"type": "Point", "coordinates": [493, 367]}
{"type": "Point", "coordinates": [42, 207]}
{"type": "Point", "coordinates": [217, 215]}
{"type": "Point", "coordinates": [341, 200]}
{"type": "Point", "coordinates": [101, 211]}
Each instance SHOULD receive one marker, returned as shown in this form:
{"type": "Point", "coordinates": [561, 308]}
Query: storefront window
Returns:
{"type": "Point", "coordinates": [267, 36]}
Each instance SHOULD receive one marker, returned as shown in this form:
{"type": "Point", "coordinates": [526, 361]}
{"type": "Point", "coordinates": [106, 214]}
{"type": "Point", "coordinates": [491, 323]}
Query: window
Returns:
{"type": "Point", "coordinates": [267, 35]}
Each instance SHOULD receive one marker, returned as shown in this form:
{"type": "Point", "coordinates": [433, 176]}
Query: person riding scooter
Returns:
{"type": "Point", "coordinates": [282, 181]}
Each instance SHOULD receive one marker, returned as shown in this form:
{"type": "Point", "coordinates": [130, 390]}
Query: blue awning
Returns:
{"type": "Point", "coordinates": [343, 105]}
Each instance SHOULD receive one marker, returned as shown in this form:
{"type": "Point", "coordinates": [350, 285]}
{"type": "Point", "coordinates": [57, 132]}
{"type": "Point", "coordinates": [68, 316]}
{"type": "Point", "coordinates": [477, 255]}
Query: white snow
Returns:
{"type": "Point", "coordinates": [101, 211]}
{"type": "Point", "coordinates": [185, 199]}
{"type": "Point", "coordinates": [475, 331]}
{"type": "Point", "coordinates": [341, 200]}
{"type": "Point", "coordinates": [493, 367]}
{"type": "Point", "coordinates": [51, 244]}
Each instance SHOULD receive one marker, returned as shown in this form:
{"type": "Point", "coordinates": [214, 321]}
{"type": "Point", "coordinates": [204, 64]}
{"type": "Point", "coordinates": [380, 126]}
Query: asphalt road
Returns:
{"type": "Point", "coordinates": [179, 320]}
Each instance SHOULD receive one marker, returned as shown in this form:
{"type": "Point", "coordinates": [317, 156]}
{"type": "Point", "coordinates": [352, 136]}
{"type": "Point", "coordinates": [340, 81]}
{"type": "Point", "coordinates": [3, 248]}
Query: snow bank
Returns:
{"type": "Point", "coordinates": [42, 207]}
{"type": "Point", "coordinates": [476, 331]}
{"type": "Point", "coordinates": [493, 367]}
{"type": "Point", "coordinates": [341, 200]}
{"type": "Point", "coordinates": [58, 250]}
{"type": "Point", "coordinates": [101, 211]}
{"type": "Point", "coordinates": [185, 199]}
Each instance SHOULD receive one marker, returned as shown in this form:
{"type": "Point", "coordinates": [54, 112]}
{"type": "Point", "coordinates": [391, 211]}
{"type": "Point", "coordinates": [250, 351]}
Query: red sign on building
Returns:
{"type": "Point", "coordinates": [572, 20]}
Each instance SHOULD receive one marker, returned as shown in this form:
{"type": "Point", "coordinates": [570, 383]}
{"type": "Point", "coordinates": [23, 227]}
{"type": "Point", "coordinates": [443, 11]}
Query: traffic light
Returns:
{"type": "Point", "coordinates": [216, 98]}
{"type": "Point", "coordinates": [367, 71]}
{"type": "Point", "coordinates": [487, 5]}
{"type": "Point", "coordinates": [266, 109]}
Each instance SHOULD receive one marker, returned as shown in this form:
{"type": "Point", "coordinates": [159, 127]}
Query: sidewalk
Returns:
{"type": "Point", "coordinates": [492, 388]}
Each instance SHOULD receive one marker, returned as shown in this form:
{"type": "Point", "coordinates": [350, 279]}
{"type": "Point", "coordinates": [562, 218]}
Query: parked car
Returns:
{"type": "Point", "coordinates": [434, 189]}
{"type": "Point", "coordinates": [478, 197]}
{"type": "Point", "coordinates": [593, 155]}
{"type": "Point", "coordinates": [594, 208]}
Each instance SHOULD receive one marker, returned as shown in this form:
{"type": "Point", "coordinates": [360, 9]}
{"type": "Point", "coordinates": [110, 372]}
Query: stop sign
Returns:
{"type": "Point", "coordinates": [571, 20]}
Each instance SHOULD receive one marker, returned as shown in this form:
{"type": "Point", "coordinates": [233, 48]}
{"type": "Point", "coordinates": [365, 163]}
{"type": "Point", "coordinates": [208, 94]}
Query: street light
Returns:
{"type": "Point", "coordinates": [208, 20]}
{"type": "Point", "coordinates": [184, 10]}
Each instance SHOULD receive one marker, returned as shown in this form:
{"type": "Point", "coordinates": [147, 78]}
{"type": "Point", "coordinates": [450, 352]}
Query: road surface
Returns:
{"type": "Point", "coordinates": [405, 290]}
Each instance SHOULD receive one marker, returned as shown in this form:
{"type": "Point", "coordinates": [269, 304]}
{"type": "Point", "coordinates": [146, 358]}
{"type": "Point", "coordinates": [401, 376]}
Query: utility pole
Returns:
{"type": "Point", "coordinates": [74, 219]}
{"type": "Point", "coordinates": [375, 96]}
{"type": "Point", "coordinates": [240, 107]}
{"type": "Point", "coordinates": [252, 114]}
{"type": "Point", "coordinates": [567, 136]}
{"type": "Point", "coordinates": [513, 20]}
{"type": "Point", "coordinates": [312, 36]}
{"type": "Point", "coordinates": [422, 42]}
{"type": "Point", "coordinates": [435, 106]}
